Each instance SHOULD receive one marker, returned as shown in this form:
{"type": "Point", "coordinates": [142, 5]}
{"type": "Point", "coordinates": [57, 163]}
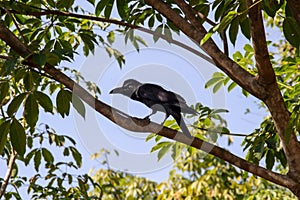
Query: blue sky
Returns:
{"type": "Point", "coordinates": [173, 68]}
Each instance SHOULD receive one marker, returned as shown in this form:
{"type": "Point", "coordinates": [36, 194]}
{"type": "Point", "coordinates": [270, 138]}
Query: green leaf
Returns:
{"type": "Point", "coordinates": [233, 30]}
{"type": "Point", "coordinates": [217, 86]}
{"type": "Point", "coordinates": [100, 6]}
{"type": "Point", "coordinates": [63, 100]}
{"type": "Point", "coordinates": [291, 31]}
{"type": "Point", "coordinates": [15, 104]}
{"type": "Point", "coordinates": [176, 150]}
{"type": "Point", "coordinates": [167, 32]}
{"type": "Point", "coordinates": [10, 64]}
{"type": "Point", "coordinates": [66, 152]}
{"type": "Point", "coordinates": [122, 8]}
{"type": "Point", "coordinates": [28, 81]}
{"type": "Point", "coordinates": [88, 41]}
{"type": "Point", "coordinates": [78, 105]}
{"type": "Point", "coordinates": [258, 151]}
{"type": "Point", "coordinates": [245, 26]}
{"type": "Point", "coordinates": [111, 37]}
{"type": "Point", "coordinates": [108, 8]}
{"type": "Point", "coordinates": [216, 111]}
{"type": "Point", "coordinates": [271, 6]}
{"type": "Point", "coordinates": [4, 127]}
{"type": "Point", "coordinates": [225, 21]}
{"type": "Point", "coordinates": [248, 48]}
{"type": "Point", "coordinates": [270, 159]}
{"type": "Point", "coordinates": [37, 160]}
{"type": "Point", "coordinates": [163, 151]}
{"type": "Point", "coordinates": [206, 37]}
{"type": "Point", "coordinates": [29, 156]}
{"type": "Point", "coordinates": [150, 136]}
{"type": "Point", "coordinates": [213, 81]}
{"type": "Point", "coordinates": [44, 101]}
{"type": "Point", "coordinates": [39, 58]}
{"type": "Point", "coordinates": [47, 155]}
{"type": "Point", "coordinates": [231, 86]}
{"type": "Point", "coordinates": [159, 146]}
{"type": "Point", "coordinates": [64, 4]}
{"type": "Point", "coordinates": [77, 156]}
{"type": "Point", "coordinates": [31, 111]}
{"type": "Point", "coordinates": [4, 91]}
{"type": "Point", "coordinates": [151, 21]}
{"type": "Point", "coordinates": [18, 137]}
{"type": "Point", "coordinates": [157, 32]}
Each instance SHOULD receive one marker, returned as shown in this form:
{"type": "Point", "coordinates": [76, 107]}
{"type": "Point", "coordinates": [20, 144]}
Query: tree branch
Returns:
{"type": "Point", "coordinates": [116, 22]}
{"type": "Point", "coordinates": [274, 101]}
{"type": "Point", "coordinates": [261, 53]}
{"type": "Point", "coordinates": [196, 31]}
{"type": "Point", "coordinates": [10, 164]}
{"type": "Point", "coordinates": [138, 125]}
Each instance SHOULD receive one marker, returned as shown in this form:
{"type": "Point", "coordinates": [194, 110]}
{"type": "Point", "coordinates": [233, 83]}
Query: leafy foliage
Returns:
{"type": "Point", "coordinates": [195, 175]}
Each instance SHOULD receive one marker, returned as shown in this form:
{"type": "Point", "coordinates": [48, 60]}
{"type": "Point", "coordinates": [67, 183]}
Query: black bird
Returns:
{"type": "Point", "coordinates": [158, 99]}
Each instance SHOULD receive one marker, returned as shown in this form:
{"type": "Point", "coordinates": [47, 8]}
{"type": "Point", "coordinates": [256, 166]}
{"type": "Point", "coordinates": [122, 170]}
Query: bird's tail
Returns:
{"type": "Point", "coordinates": [182, 125]}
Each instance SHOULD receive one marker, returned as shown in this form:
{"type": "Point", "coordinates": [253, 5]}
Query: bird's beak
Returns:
{"type": "Point", "coordinates": [119, 90]}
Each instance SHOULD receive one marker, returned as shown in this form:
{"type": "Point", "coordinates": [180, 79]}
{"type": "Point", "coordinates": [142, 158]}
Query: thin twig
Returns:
{"type": "Point", "coordinates": [16, 24]}
{"type": "Point", "coordinates": [220, 132]}
{"type": "Point", "coordinates": [225, 42]}
{"type": "Point", "coordinates": [7, 176]}
{"type": "Point", "coordinates": [206, 18]}
{"type": "Point", "coordinates": [117, 22]}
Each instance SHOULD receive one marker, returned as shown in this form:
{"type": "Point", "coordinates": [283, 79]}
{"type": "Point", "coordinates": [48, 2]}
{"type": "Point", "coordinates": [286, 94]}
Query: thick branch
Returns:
{"type": "Point", "coordinates": [261, 53]}
{"type": "Point", "coordinates": [196, 31]}
{"type": "Point", "coordinates": [6, 178]}
{"type": "Point", "coordinates": [274, 101]}
{"type": "Point", "coordinates": [132, 124]}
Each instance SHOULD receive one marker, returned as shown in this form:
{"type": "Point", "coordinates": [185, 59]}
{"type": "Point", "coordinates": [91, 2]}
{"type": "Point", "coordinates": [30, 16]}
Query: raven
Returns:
{"type": "Point", "coordinates": [158, 99]}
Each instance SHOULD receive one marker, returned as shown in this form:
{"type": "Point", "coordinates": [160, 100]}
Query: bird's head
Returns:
{"type": "Point", "coordinates": [128, 88]}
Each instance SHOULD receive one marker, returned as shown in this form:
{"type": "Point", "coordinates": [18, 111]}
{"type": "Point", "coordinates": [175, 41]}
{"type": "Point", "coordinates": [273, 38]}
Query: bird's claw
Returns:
{"type": "Point", "coordinates": [147, 118]}
{"type": "Point", "coordinates": [141, 121]}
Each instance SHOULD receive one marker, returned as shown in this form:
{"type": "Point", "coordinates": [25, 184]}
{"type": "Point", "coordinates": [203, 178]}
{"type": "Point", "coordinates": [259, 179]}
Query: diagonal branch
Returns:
{"type": "Point", "coordinates": [137, 125]}
{"type": "Point", "coordinates": [261, 53]}
{"type": "Point", "coordinates": [116, 22]}
{"type": "Point", "coordinates": [196, 31]}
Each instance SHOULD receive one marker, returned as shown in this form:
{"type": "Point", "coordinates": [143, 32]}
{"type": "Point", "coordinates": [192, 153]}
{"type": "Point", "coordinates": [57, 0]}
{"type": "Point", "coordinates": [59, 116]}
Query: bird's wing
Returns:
{"type": "Point", "coordinates": [158, 94]}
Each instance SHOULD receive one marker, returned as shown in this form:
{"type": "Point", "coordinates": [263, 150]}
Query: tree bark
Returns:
{"type": "Point", "coordinates": [274, 100]}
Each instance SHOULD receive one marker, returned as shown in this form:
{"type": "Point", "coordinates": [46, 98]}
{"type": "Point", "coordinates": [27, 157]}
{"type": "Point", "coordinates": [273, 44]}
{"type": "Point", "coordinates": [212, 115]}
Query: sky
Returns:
{"type": "Point", "coordinates": [171, 67]}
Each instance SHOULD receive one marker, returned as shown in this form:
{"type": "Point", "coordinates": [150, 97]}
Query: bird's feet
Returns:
{"type": "Point", "coordinates": [141, 121]}
{"type": "Point", "coordinates": [147, 118]}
